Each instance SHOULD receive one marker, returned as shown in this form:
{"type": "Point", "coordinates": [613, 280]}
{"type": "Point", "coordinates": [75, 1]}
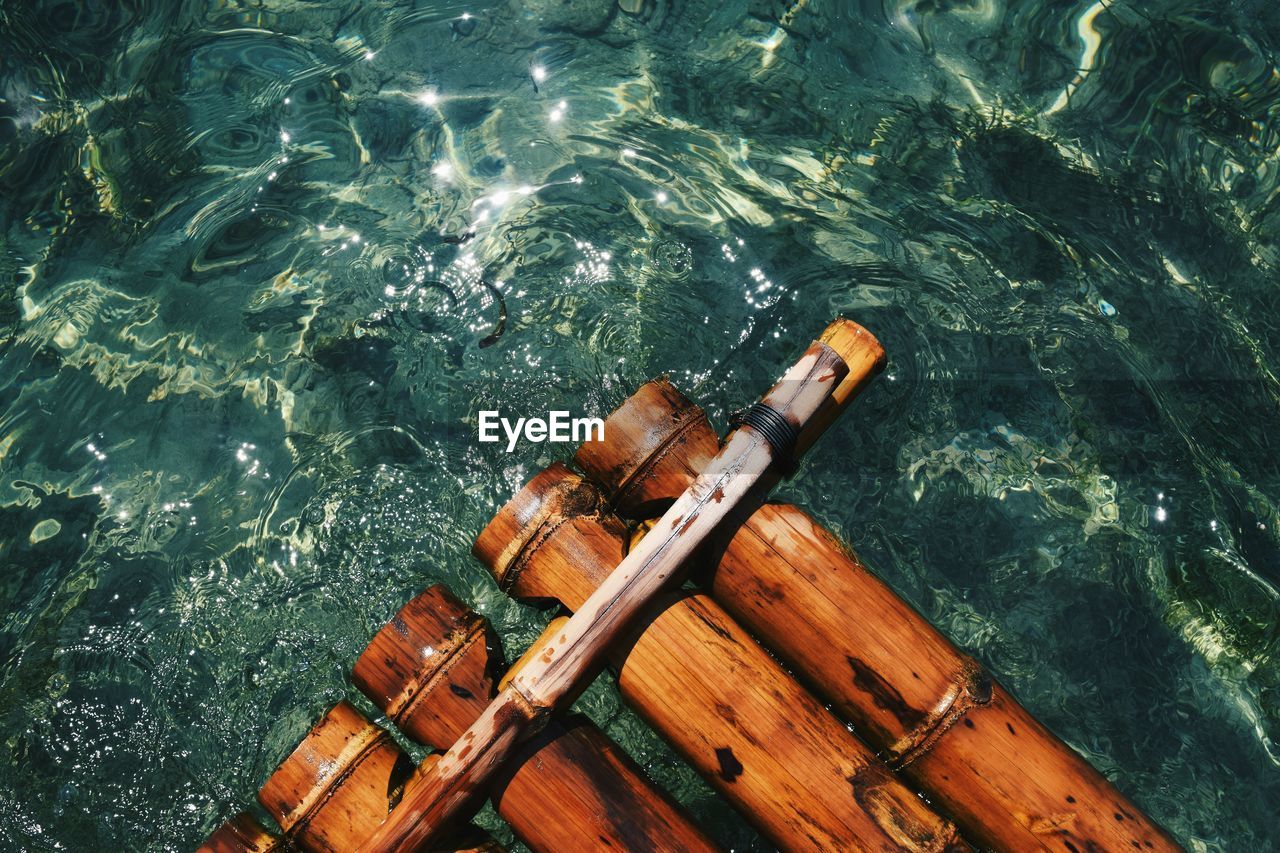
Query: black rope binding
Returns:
{"type": "Point", "coordinates": [775, 429]}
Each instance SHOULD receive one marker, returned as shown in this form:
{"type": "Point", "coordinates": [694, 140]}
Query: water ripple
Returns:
{"type": "Point", "coordinates": [261, 266]}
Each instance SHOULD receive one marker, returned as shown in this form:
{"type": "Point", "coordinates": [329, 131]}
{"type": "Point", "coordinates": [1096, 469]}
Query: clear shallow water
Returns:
{"type": "Point", "coordinates": [241, 344]}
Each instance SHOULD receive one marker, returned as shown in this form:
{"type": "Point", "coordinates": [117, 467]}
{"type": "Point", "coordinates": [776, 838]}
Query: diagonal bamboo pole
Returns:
{"type": "Point", "coordinates": [566, 663]}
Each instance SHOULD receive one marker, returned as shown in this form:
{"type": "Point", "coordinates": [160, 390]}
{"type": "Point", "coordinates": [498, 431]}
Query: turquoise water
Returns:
{"type": "Point", "coordinates": [241, 352]}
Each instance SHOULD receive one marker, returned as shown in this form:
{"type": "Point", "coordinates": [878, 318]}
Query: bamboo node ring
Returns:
{"type": "Point", "coordinates": [536, 712]}
{"type": "Point", "coordinates": [774, 428]}
{"type": "Point", "coordinates": [974, 688]}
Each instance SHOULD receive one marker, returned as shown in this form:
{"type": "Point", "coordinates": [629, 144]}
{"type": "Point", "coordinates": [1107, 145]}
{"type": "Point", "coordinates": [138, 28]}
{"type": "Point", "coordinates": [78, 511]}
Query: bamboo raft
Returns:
{"type": "Point", "coordinates": [878, 735]}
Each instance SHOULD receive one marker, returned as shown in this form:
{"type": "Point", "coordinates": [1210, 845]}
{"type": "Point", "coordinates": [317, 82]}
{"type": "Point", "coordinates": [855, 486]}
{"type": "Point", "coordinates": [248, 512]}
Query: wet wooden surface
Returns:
{"type": "Point", "coordinates": [767, 745]}
{"type": "Point", "coordinates": [433, 670]}
{"type": "Point", "coordinates": [565, 663]}
{"type": "Point", "coordinates": [241, 834]}
{"type": "Point", "coordinates": [334, 790]}
{"type": "Point", "coordinates": [882, 666]}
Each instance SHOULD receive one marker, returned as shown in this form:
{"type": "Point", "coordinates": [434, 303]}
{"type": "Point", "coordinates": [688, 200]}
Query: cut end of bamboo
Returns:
{"type": "Point", "coordinates": [432, 656]}
{"type": "Point", "coordinates": [657, 441]}
{"type": "Point", "coordinates": [345, 770]}
{"type": "Point", "coordinates": [241, 834]}
{"type": "Point", "coordinates": [552, 494]}
{"type": "Point", "coordinates": [859, 349]}
{"type": "Point", "coordinates": [657, 422]}
{"type": "Point", "coordinates": [865, 358]}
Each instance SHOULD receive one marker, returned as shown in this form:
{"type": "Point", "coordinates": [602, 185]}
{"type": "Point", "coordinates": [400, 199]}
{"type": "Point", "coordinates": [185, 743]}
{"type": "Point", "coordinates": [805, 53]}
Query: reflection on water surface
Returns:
{"type": "Point", "coordinates": [262, 263]}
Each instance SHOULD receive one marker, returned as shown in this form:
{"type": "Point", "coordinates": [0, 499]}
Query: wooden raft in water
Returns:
{"type": "Point", "coordinates": [432, 668]}
{"type": "Point", "coordinates": [699, 678]}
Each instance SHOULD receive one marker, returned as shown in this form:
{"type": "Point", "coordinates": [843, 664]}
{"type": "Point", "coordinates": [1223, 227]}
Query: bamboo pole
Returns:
{"type": "Point", "coordinates": [432, 670]}
{"type": "Point", "coordinates": [785, 762]}
{"type": "Point", "coordinates": [338, 785]}
{"type": "Point", "coordinates": [566, 663]}
{"type": "Point", "coordinates": [931, 710]}
{"type": "Point", "coordinates": [241, 834]}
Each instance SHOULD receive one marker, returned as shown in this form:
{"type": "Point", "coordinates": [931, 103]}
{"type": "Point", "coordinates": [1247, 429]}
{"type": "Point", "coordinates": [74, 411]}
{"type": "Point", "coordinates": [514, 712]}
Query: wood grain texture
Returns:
{"type": "Point", "coordinates": [459, 779]}
{"type": "Point", "coordinates": [913, 696]}
{"type": "Point", "coordinates": [761, 740]}
{"type": "Point", "coordinates": [590, 795]}
{"type": "Point", "coordinates": [335, 789]}
{"type": "Point", "coordinates": [345, 775]}
{"type": "Point", "coordinates": [571, 658]}
{"type": "Point", "coordinates": [433, 669]}
{"type": "Point", "coordinates": [865, 358]}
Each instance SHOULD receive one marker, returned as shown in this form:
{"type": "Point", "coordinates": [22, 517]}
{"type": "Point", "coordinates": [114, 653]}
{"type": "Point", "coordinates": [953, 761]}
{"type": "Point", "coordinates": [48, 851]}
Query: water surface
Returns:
{"type": "Point", "coordinates": [251, 252]}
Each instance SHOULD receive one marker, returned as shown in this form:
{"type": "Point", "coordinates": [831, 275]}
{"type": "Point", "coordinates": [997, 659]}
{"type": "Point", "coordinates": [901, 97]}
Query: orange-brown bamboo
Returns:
{"type": "Point", "coordinates": [745, 467]}
{"type": "Point", "coordinates": [433, 669]}
{"type": "Point", "coordinates": [241, 834]}
{"type": "Point", "coordinates": [337, 787]}
{"type": "Point", "coordinates": [768, 746]}
{"type": "Point", "coordinates": [930, 710]}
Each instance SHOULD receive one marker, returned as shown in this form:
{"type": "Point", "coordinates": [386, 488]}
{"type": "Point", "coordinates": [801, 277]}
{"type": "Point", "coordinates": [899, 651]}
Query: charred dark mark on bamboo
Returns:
{"type": "Point", "coordinates": [1084, 846]}
{"type": "Point", "coordinates": [401, 773]}
{"type": "Point", "coordinates": [715, 626]}
{"type": "Point", "coordinates": [416, 692]}
{"type": "Point", "coordinates": [770, 592]}
{"type": "Point", "coordinates": [392, 665]}
{"type": "Point", "coordinates": [883, 694]}
{"type": "Point", "coordinates": [730, 767]}
{"type": "Point", "coordinates": [747, 733]}
{"type": "Point", "coordinates": [867, 784]}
